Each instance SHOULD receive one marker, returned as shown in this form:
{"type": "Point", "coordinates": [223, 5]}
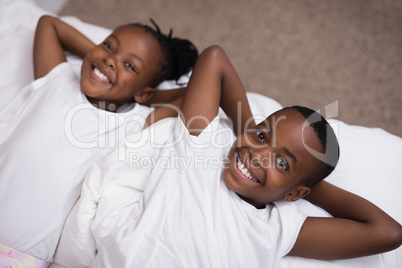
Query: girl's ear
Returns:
{"type": "Point", "coordinates": [297, 193]}
{"type": "Point", "coordinates": [144, 95]}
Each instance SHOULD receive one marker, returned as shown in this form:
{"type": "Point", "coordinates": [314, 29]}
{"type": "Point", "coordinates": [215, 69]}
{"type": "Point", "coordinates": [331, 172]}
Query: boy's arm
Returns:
{"type": "Point", "coordinates": [163, 111]}
{"type": "Point", "coordinates": [165, 96]}
{"type": "Point", "coordinates": [213, 83]}
{"type": "Point", "coordinates": [358, 228]}
{"type": "Point", "coordinates": [52, 38]}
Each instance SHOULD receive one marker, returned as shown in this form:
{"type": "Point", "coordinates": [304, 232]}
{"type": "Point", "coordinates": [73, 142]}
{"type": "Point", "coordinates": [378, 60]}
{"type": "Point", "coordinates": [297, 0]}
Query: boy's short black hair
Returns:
{"type": "Point", "coordinates": [329, 143]}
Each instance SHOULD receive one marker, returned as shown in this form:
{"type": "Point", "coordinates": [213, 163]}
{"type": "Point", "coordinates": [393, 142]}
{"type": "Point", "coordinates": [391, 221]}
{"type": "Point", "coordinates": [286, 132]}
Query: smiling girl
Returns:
{"type": "Point", "coordinates": [127, 65]}
{"type": "Point", "coordinates": [67, 122]}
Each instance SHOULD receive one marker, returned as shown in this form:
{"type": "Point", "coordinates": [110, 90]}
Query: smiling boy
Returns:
{"type": "Point", "coordinates": [261, 174]}
{"type": "Point", "coordinates": [240, 214]}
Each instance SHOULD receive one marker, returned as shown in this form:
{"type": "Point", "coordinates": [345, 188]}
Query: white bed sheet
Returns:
{"type": "Point", "coordinates": [370, 158]}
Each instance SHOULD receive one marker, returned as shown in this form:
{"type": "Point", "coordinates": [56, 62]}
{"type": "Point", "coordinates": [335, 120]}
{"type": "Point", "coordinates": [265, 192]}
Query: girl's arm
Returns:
{"type": "Point", "coordinates": [52, 38]}
{"type": "Point", "coordinates": [358, 228]}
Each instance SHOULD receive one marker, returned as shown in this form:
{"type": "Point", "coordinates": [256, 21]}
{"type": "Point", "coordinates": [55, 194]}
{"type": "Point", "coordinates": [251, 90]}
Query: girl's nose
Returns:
{"type": "Point", "coordinates": [108, 61]}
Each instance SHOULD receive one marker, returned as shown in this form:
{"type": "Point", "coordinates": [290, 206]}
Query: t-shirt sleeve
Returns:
{"type": "Point", "coordinates": [289, 222]}
{"type": "Point", "coordinates": [61, 70]}
{"type": "Point", "coordinates": [217, 135]}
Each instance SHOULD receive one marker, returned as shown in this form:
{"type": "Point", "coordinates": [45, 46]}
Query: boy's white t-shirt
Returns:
{"type": "Point", "coordinates": [45, 152]}
{"type": "Point", "coordinates": [190, 218]}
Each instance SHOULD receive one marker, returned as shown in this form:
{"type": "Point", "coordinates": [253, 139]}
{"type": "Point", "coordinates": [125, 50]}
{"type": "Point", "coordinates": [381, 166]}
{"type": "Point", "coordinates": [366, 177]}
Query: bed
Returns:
{"type": "Point", "coordinates": [370, 157]}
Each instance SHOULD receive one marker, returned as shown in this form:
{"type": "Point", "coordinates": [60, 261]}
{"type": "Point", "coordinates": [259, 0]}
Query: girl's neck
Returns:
{"type": "Point", "coordinates": [103, 105]}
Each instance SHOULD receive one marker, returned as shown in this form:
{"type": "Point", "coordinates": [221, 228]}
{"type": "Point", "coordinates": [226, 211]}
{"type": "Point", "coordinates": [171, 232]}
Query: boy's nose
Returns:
{"type": "Point", "coordinates": [261, 156]}
{"type": "Point", "coordinates": [108, 61]}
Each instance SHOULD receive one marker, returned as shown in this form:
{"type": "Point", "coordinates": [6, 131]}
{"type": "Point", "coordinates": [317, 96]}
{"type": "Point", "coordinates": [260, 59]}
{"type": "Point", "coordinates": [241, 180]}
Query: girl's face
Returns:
{"type": "Point", "coordinates": [121, 67]}
{"type": "Point", "coordinates": [269, 162]}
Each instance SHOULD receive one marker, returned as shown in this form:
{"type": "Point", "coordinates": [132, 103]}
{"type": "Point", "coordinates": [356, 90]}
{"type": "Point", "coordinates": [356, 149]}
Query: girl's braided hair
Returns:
{"type": "Point", "coordinates": [180, 55]}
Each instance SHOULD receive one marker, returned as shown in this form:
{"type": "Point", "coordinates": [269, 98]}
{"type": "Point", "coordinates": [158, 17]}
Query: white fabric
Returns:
{"type": "Point", "coordinates": [47, 149]}
{"type": "Point", "coordinates": [111, 195]}
{"type": "Point", "coordinates": [18, 20]}
{"type": "Point", "coordinates": [190, 216]}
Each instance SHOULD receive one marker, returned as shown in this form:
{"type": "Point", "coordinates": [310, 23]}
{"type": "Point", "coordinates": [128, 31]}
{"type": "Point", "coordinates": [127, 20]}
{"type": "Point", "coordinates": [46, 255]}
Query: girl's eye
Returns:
{"type": "Point", "coordinates": [108, 46]}
{"type": "Point", "coordinates": [260, 134]}
{"type": "Point", "coordinates": [130, 66]}
{"type": "Point", "coordinates": [281, 163]}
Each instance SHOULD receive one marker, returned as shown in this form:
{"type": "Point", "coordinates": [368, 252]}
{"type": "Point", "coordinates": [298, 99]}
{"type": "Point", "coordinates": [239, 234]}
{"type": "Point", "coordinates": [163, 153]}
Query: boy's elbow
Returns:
{"type": "Point", "coordinates": [392, 237]}
{"type": "Point", "coordinates": [214, 49]}
{"type": "Point", "coordinates": [215, 58]}
{"type": "Point", "coordinates": [214, 52]}
{"type": "Point", "coordinates": [396, 237]}
{"type": "Point", "coordinates": [45, 20]}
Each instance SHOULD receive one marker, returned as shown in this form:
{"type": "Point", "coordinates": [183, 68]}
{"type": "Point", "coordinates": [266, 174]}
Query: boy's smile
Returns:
{"type": "Point", "coordinates": [243, 168]}
{"type": "Point", "coordinates": [271, 161]}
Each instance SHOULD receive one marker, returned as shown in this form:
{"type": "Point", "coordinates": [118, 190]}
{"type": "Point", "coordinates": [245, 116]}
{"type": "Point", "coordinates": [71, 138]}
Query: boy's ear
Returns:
{"type": "Point", "coordinates": [144, 95]}
{"type": "Point", "coordinates": [297, 193]}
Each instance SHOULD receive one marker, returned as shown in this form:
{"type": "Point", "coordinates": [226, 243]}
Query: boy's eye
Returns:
{"type": "Point", "coordinates": [281, 163]}
{"type": "Point", "coordinates": [260, 134]}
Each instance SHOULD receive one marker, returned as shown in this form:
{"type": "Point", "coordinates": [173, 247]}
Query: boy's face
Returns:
{"type": "Point", "coordinates": [122, 66]}
{"type": "Point", "coordinates": [269, 162]}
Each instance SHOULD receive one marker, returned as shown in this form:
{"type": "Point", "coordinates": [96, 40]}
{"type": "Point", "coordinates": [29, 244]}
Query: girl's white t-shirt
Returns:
{"type": "Point", "coordinates": [46, 149]}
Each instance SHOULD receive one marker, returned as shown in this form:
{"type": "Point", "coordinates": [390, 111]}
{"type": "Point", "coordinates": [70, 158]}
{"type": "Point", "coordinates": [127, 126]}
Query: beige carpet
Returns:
{"type": "Point", "coordinates": [306, 52]}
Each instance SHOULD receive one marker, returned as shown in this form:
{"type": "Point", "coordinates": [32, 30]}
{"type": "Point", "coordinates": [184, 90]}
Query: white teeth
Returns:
{"type": "Point", "coordinates": [244, 170]}
{"type": "Point", "coordinates": [101, 75]}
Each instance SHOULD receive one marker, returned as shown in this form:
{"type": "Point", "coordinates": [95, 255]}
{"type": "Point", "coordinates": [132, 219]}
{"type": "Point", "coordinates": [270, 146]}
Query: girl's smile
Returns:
{"type": "Point", "coordinates": [122, 67]}
{"type": "Point", "coordinates": [100, 75]}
